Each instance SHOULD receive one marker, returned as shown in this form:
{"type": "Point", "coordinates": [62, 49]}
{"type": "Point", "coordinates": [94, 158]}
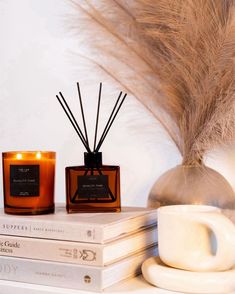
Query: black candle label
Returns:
{"type": "Point", "coordinates": [24, 180]}
{"type": "Point", "coordinates": [93, 186]}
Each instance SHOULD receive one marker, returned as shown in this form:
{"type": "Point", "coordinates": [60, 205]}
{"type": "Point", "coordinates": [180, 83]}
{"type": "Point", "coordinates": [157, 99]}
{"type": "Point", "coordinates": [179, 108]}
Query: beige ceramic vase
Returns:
{"type": "Point", "coordinates": [197, 184]}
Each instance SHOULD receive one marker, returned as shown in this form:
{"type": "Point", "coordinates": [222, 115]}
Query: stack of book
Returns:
{"type": "Point", "coordinates": [90, 251]}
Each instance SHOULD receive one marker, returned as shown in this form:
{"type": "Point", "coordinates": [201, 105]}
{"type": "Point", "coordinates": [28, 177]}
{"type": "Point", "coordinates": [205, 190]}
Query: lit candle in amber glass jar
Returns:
{"type": "Point", "coordinates": [28, 182]}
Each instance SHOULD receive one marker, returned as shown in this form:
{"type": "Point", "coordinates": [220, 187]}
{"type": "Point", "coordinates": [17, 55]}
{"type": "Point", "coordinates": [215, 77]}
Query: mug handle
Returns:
{"type": "Point", "coordinates": [224, 231]}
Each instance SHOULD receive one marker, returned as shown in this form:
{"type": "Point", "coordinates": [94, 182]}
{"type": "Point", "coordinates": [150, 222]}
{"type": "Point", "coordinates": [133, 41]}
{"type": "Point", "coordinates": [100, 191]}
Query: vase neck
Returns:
{"type": "Point", "coordinates": [192, 163]}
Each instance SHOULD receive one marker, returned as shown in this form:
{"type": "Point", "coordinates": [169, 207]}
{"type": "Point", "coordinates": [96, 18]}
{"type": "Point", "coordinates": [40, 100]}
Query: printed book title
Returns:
{"type": "Point", "coordinates": [8, 246]}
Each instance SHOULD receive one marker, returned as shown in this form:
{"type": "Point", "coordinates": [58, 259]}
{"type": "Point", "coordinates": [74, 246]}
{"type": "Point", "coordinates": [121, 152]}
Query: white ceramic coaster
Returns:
{"type": "Point", "coordinates": [162, 276]}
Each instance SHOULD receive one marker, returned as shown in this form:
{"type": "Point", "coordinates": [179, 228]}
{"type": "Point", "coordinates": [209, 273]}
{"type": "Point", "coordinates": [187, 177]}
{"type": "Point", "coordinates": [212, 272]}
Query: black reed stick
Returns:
{"type": "Point", "coordinates": [74, 119]}
{"type": "Point", "coordinates": [110, 117]}
{"type": "Point", "coordinates": [73, 124]}
{"type": "Point", "coordinates": [97, 117]}
{"type": "Point", "coordinates": [110, 124]}
{"type": "Point", "coordinates": [76, 127]}
{"type": "Point", "coordinates": [83, 116]}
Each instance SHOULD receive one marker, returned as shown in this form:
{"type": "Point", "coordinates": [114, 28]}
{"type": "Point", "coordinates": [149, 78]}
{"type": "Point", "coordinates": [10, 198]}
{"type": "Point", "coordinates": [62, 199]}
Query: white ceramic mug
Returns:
{"type": "Point", "coordinates": [196, 238]}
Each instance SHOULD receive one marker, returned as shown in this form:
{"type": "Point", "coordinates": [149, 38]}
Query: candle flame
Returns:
{"type": "Point", "coordinates": [38, 155]}
{"type": "Point", "coordinates": [19, 156]}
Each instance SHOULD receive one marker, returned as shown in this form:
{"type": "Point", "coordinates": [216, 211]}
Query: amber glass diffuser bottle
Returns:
{"type": "Point", "coordinates": [28, 182]}
{"type": "Point", "coordinates": [92, 187]}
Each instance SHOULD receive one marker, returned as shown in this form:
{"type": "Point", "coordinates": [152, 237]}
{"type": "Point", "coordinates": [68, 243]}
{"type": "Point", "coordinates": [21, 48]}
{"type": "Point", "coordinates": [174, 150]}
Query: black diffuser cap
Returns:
{"type": "Point", "coordinates": [93, 159]}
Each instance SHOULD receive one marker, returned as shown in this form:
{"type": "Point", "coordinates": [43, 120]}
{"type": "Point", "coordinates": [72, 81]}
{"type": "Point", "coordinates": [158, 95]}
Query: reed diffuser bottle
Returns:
{"type": "Point", "coordinates": [92, 187]}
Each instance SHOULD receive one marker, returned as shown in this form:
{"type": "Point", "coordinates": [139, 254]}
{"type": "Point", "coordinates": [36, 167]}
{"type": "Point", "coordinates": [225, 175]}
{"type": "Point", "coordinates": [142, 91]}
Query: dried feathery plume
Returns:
{"type": "Point", "coordinates": [175, 56]}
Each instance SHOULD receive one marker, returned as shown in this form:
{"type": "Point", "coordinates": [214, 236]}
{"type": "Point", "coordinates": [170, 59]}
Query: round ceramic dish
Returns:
{"type": "Point", "coordinates": [158, 274]}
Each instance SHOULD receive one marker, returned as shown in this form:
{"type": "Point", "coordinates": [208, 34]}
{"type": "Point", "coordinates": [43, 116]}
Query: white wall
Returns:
{"type": "Point", "coordinates": [37, 59]}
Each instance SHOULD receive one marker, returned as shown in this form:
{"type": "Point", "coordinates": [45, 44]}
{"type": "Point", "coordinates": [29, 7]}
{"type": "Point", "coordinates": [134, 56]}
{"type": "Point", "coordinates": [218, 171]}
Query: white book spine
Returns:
{"type": "Point", "coordinates": [42, 227]}
{"type": "Point", "coordinates": [50, 230]}
{"type": "Point", "coordinates": [76, 252]}
{"type": "Point", "coordinates": [70, 275]}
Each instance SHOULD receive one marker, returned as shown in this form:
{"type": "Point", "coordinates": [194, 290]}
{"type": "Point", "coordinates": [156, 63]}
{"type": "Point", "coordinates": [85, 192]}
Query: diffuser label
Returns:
{"type": "Point", "coordinates": [93, 186]}
{"type": "Point", "coordinates": [24, 180]}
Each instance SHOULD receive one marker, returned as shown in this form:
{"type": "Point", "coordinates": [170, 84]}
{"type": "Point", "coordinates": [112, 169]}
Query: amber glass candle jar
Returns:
{"type": "Point", "coordinates": [28, 182]}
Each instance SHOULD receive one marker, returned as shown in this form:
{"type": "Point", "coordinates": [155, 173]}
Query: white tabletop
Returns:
{"type": "Point", "coordinates": [133, 286]}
